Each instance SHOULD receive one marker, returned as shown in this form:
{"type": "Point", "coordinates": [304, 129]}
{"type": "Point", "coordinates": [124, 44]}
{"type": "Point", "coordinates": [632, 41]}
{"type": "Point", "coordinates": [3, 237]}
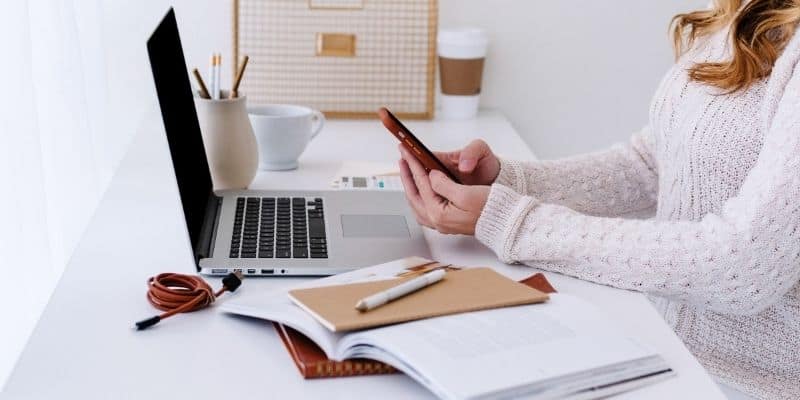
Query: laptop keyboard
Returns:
{"type": "Point", "coordinates": [283, 227]}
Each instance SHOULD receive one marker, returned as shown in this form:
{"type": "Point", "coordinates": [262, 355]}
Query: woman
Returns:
{"type": "Point", "coordinates": [718, 163]}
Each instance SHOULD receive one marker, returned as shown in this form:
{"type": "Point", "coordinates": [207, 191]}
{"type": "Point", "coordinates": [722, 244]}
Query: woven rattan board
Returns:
{"type": "Point", "coordinates": [393, 64]}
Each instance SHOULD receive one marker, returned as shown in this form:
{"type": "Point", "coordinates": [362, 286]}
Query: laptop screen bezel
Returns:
{"type": "Point", "coordinates": [187, 151]}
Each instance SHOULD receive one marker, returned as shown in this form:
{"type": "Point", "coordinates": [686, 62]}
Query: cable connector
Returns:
{"type": "Point", "coordinates": [146, 323]}
{"type": "Point", "coordinates": [232, 281]}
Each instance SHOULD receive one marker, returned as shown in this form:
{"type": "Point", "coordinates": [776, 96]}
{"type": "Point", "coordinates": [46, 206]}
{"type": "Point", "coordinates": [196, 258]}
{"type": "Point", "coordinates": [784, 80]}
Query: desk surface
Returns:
{"type": "Point", "coordinates": [84, 347]}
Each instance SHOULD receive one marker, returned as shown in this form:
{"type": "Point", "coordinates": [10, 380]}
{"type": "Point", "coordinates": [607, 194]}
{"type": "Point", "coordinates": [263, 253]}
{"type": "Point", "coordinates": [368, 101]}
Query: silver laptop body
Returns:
{"type": "Point", "coordinates": [360, 229]}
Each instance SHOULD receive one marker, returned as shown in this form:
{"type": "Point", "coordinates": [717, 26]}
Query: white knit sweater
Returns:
{"type": "Point", "coordinates": [721, 256]}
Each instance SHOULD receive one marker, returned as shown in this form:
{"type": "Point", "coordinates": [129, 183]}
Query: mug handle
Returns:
{"type": "Point", "coordinates": [319, 118]}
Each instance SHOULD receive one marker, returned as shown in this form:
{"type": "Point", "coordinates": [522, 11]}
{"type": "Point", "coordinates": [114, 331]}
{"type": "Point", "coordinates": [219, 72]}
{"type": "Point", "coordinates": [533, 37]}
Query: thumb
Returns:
{"type": "Point", "coordinates": [450, 159]}
{"type": "Point", "coordinates": [448, 189]}
{"type": "Point", "coordinates": [471, 154]}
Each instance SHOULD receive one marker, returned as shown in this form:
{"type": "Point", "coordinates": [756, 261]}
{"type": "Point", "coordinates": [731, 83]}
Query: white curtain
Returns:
{"type": "Point", "coordinates": [54, 158]}
{"type": "Point", "coordinates": [76, 88]}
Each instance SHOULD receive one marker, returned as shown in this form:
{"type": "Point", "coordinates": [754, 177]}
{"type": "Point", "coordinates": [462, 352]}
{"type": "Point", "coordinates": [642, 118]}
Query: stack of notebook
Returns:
{"type": "Point", "coordinates": [312, 362]}
{"type": "Point", "coordinates": [453, 339]}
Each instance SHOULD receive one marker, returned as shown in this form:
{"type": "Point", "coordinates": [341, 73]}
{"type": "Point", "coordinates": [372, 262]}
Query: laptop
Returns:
{"type": "Point", "coordinates": [269, 233]}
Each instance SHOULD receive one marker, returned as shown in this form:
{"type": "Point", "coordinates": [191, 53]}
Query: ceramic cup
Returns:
{"type": "Point", "coordinates": [283, 131]}
{"type": "Point", "coordinates": [228, 140]}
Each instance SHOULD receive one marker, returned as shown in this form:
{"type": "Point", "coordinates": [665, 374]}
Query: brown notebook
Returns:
{"type": "Point", "coordinates": [312, 362]}
{"type": "Point", "coordinates": [466, 290]}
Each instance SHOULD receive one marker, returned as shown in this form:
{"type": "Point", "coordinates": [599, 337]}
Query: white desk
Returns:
{"type": "Point", "coordinates": [84, 347]}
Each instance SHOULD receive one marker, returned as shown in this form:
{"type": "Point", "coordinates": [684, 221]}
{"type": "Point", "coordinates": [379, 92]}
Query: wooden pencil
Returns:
{"type": "Point", "coordinates": [203, 89]}
{"type": "Point", "coordinates": [235, 91]}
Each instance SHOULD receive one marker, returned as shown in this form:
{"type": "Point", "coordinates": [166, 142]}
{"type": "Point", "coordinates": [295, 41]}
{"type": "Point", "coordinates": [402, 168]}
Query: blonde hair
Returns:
{"type": "Point", "coordinates": [759, 31]}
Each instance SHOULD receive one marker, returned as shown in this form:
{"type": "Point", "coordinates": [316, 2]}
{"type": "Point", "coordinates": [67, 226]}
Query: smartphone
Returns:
{"type": "Point", "coordinates": [425, 156]}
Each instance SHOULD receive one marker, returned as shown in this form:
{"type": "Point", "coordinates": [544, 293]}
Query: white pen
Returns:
{"type": "Point", "coordinates": [378, 299]}
{"type": "Point", "coordinates": [217, 78]}
{"type": "Point", "coordinates": [212, 76]}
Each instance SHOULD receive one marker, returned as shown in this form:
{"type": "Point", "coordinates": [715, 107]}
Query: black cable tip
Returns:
{"type": "Point", "coordinates": [232, 281]}
{"type": "Point", "coordinates": [146, 323]}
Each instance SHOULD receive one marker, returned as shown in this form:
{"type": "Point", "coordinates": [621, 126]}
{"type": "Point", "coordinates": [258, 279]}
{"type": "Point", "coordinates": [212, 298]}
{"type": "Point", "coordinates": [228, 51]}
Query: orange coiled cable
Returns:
{"type": "Point", "coordinates": [178, 293]}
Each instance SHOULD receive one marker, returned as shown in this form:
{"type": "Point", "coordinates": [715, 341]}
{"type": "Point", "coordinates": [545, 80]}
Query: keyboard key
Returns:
{"type": "Point", "coordinates": [283, 254]}
{"type": "Point", "coordinates": [316, 228]}
{"type": "Point", "coordinates": [300, 253]}
{"type": "Point", "coordinates": [319, 255]}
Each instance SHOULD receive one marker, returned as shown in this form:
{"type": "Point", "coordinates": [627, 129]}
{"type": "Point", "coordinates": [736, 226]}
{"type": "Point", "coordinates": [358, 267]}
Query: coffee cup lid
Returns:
{"type": "Point", "coordinates": [462, 43]}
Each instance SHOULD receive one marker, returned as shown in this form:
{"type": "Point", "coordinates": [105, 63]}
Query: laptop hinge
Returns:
{"type": "Point", "coordinates": [208, 233]}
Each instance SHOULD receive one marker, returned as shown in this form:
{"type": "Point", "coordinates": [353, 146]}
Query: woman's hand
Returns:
{"type": "Point", "coordinates": [438, 202]}
{"type": "Point", "coordinates": [474, 164]}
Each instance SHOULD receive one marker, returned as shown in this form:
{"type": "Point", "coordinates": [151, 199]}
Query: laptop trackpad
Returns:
{"type": "Point", "coordinates": [374, 226]}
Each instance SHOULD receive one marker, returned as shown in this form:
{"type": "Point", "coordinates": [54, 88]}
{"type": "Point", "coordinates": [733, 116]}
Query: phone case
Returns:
{"type": "Point", "coordinates": [404, 135]}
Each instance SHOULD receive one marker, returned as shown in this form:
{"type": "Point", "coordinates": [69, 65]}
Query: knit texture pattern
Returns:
{"type": "Point", "coordinates": [718, 177]}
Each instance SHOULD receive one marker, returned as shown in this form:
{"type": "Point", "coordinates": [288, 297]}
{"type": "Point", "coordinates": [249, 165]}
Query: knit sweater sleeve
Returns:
{"type": "Point", "coordinates": [739, 260]}
{"type": "Point", "coordinates": [614, 182]}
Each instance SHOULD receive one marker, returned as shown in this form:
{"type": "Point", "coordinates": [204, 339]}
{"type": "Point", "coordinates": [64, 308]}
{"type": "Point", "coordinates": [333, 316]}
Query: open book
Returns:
{"type": "Point", "coordinates": [560, 349]}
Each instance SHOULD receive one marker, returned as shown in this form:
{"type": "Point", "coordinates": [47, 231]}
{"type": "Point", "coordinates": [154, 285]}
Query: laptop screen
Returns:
{"type": "Point", "coordinates": [180, 121]}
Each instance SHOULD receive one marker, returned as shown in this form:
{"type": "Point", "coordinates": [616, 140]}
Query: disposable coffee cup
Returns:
{"type": "Point", "coordinates": [461, 57]}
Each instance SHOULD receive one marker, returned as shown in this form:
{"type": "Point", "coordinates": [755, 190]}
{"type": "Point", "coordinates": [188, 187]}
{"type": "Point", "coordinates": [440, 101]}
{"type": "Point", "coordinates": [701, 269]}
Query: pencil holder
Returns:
{"type": "Point", "coordinates": [229, 141]}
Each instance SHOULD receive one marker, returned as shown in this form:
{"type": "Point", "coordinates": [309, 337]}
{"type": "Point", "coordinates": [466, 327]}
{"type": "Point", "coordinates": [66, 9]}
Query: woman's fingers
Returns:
{"type": "Point", "coordinates": [445, 187]}
{"type": "Point", "coordinates": [421, 179]}
{"type": "Point", "coordinates": [472, 154]}
{"type": "Point", "coordinates": [412, 194]}
{"type": "Point", "coordinates": [407, 179]}
{"type": "Point", "coordinates": [449, 159]}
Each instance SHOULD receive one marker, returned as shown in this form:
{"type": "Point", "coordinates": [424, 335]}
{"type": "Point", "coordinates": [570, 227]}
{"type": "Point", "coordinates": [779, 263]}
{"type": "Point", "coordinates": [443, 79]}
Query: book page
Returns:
{"type": "Point", "coordinates": [277, 307]}
{"type": "Point", "coordinates": [504, 348]}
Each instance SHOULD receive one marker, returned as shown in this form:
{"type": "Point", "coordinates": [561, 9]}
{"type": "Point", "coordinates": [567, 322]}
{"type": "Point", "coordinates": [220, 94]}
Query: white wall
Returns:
{"type": "Point", "coordinates": [572, 76]}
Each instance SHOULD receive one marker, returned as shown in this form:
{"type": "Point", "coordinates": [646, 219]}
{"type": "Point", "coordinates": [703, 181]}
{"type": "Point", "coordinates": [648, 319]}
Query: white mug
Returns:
{"type": "Point", "coordinates": [283, 131]}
